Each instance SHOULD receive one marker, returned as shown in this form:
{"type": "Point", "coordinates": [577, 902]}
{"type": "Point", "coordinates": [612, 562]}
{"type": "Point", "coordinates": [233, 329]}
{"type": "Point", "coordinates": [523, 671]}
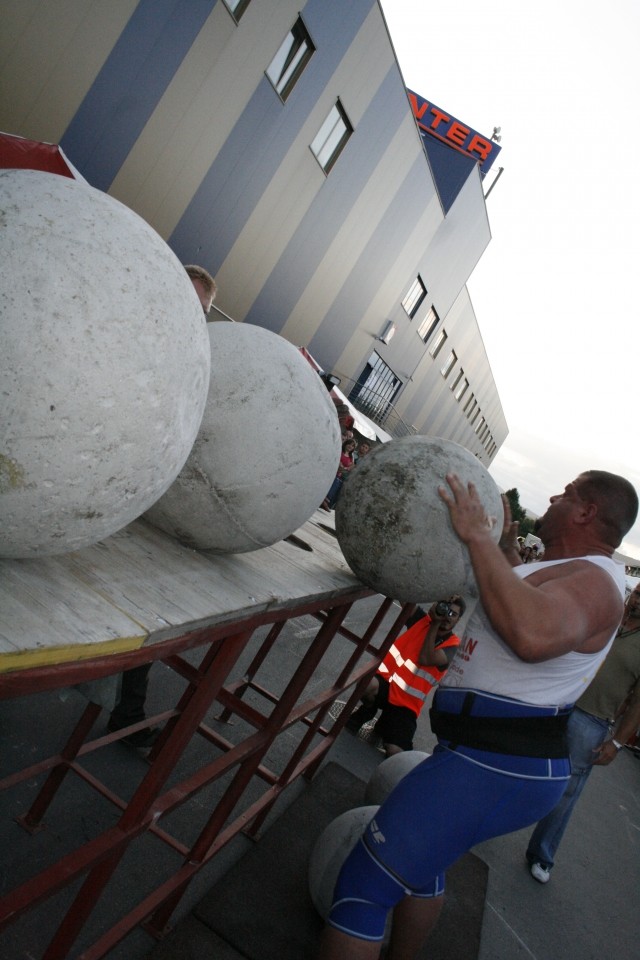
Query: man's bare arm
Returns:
{"type": "Point", "coordinates": [574, 606]}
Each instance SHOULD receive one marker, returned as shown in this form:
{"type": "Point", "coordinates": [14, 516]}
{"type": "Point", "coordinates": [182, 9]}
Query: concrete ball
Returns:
{"type": "Point", "coordinates": [267, 450]}
{"type": "Point", "coordinates": [104, 367]}
{"type": "Point", "coordinates": [395, 531]}
{"type": "Point", "coordinates": [389, 774]}
{"type": "Point", "coordinates": [330, 851]}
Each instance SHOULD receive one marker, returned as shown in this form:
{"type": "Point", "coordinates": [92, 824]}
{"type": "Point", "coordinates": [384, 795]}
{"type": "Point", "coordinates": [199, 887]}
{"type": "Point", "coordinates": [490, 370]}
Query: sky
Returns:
{"type": "Point", "coordinates": [555, 293]}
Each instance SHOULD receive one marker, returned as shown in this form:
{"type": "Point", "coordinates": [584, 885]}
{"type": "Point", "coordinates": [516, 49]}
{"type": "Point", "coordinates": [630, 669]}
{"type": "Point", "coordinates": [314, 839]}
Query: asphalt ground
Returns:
{"type": "Point", "coordinates": [588, 911]}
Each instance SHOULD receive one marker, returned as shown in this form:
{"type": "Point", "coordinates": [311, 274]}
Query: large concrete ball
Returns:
{"type": "Point", "coordinates": [330, 851]}
{"type": "Point", "coordinates": [395, 531]}
{"type": "Point", "coordinates": [267, 450]}
{"type": "Point", "coordinates": [390, 772]}
{"type": "Point", "coordinates": [104, 365]}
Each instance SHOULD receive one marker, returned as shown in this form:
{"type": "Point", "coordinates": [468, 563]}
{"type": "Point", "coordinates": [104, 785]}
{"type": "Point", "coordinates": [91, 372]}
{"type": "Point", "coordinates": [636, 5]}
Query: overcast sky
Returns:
{"type": "Point", "coordinates": [555, 293]}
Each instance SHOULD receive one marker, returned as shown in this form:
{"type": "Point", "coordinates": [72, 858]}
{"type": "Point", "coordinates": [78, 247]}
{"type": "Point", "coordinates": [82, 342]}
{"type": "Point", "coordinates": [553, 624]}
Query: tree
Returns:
{"type": "Point", "coordinates": [517, 513]}
{"type": "Point", "coordinates": [525, 523]}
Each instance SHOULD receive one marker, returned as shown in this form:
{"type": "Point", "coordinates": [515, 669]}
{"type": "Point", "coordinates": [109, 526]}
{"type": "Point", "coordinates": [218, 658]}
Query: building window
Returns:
{"type": "Point", "coordinates": [291, 59]}
{"type": "Point", "coordinates": [438, 344]}
{"type": "Point", "coordinates": [481, 423]}
{"type": "Point", "coordinates": [428, 325]}
{"type": "Point", "coordinates": [417, 293]}
{"type": "Point", "coordinates": [375, 389]}
{"type": "Point", "coordinates": [332, 137]}
{"type": "Point", "coordinates": [236, 7]}
{"type": "Point", "coordinates": [449, 364]}
{"type": "Point", "coordinates": [456, 380]}
{"type": "Point", "coordinates": [462, 389]}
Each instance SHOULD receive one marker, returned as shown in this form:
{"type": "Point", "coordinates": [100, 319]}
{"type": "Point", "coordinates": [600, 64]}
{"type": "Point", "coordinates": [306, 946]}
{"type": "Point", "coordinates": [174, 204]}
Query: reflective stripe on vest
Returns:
{"type": "Point", "coordinates": [410, 683]}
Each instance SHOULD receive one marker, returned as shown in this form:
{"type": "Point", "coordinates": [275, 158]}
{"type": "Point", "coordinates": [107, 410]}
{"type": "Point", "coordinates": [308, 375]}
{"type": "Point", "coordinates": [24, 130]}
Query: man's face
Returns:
{"type": "Point", "coordinates": [203, 295]}
{"type": "Point", "coordinates": [634, 603]}
{"type": "Point", "coordinates": [561, 506]}
{"type": "Point", "coordinates": [449, 623]}
{"type": "Point", "coordinates": [363, 448]}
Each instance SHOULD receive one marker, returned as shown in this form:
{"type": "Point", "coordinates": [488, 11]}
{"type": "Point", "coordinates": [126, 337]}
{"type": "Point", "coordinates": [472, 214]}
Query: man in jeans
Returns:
{"type": "Point", "coordinates": [603, 719]}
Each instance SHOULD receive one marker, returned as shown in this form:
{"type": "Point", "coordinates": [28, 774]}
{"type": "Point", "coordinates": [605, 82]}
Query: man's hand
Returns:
{"type": "Point", "coordinates": [509, 537]}
{"type": "Point", "coordinates": [468, 515]}
{"type": "Point", "coordinates": [605, 753]}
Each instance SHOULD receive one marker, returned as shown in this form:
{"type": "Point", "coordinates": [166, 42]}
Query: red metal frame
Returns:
{"type": "Point", "coordinates": [98, 859]}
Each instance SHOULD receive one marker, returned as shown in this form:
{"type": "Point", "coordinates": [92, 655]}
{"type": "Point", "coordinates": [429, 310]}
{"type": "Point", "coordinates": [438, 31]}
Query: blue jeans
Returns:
{"type": "Point", "coordinates": [585, 733]}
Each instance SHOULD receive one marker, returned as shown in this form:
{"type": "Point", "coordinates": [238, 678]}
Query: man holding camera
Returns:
{"type": "Point", "coordinates": [414, 665]}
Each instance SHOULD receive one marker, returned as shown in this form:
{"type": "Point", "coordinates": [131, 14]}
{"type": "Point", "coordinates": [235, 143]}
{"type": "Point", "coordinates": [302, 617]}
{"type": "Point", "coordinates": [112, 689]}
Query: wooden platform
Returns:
{"type": "Point", "coordinates": [141, 587]}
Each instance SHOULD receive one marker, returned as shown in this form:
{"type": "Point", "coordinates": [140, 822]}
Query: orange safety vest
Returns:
{"type": "Point", "coordinates": [409, 683]}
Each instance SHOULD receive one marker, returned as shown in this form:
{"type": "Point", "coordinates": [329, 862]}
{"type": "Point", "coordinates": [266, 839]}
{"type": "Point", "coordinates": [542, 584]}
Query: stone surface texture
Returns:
{"type": "Point", "coordinates": [393, 528]}
{"type": "Point", "coordinates": [104, 367]}
{"type": "Point", "coordinates": [267, 450]}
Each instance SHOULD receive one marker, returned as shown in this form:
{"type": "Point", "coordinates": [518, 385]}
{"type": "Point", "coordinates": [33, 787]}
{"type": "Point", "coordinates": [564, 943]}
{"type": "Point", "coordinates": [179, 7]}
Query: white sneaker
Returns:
{"type": "Point", "coordinates": [540, 873]}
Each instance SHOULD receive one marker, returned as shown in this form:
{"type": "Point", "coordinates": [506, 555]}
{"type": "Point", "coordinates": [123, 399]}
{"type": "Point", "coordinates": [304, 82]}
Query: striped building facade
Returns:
{"type": "Point", "coordinates": [273, 142]}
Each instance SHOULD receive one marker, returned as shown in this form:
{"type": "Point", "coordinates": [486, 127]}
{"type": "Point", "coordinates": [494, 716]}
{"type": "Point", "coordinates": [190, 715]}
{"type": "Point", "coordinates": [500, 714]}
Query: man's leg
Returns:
{"type": "Point", "coordinates": [336, 945]}
{"type": "Point", "coordinates": [133, 694]}
{"type": "Point", "coordinates": [413, 920]}
{"type": "Point", "coordinates": [585, 734]}
{"type": "Point", "coordinates": [130, 707]}
{"type": "Point", "coordinates": [368, 706]}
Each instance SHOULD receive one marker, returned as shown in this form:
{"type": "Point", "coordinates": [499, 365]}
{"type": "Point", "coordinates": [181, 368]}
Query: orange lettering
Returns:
{"type": "Point", "coordinates": [438, 117]}
{"type": "Point", "coordinates": [458, 133]}
{"type": "Point", "coordinates": [481, 146]}
{"type": "Point", "coordinates": [470, 645]}
{"type": "Point", "coordinates": [418, 112]}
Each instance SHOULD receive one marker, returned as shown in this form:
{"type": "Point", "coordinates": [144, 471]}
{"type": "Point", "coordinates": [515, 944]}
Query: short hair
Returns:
{"type": "Point", "coordinates": [459, 602]}
{"type": "Point", "coordinates": [199, 273]}
{"type": "Point", "coordinates": [616, 500]}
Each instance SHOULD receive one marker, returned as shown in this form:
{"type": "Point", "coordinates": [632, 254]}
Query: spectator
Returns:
{"type": "Point", "coordinates": [412, 668]}
{"type": "Point", "coordinates": [346, 464]}
{"type": "Point", "coordinates": [204, 285]}
{"type": "Point", "coordinates": [603, 719]}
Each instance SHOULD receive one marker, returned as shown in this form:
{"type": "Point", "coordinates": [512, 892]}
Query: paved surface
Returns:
{"type": "Point", "coordinates": [588, 911]}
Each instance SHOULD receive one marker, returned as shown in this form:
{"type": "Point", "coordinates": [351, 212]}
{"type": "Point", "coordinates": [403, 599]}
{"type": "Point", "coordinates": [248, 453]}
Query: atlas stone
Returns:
{"type": "Point", "coordinates": [390, 772]}
{"type": "Point", "coordinates": [394, 529]}
{"type": "Point", "coordinates": [330, 851]}
{"type": "Point", "coordinates": [104, 367]}
{"type": "Point", "coordinates": [267, 450]}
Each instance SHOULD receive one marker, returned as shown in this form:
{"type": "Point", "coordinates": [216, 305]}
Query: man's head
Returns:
{"type": "Point", "coordinates": [204, 285]}
{"type": "Point", "coordinates": [633, 603]}
{"type": "Point", "coordinates": [456, 607]}
{"type": "Point", "coordinates": [363, 448]}
{"type": "Point", "coordinates": [597, 505]}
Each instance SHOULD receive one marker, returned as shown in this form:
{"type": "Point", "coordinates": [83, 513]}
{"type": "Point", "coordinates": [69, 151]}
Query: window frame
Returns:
{"type": "Point", "coordinates": [327, 131]}
{"type": "Point", "coordinates": [414, 297]}
{"type": "Point", "coordinates": [432, 319]}
{"type": "Point", "coordinates": [438, 343]}
{"type": "Point", "coordinates": [292, 56]}
{"type": "Point", "coordinates": [237, 8]}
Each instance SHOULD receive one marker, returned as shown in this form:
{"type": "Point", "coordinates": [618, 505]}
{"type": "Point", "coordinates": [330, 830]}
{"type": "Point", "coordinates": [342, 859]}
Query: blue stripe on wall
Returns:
{"type": "Point", "coordinates": [133, 79]}
{"type": "Point", "coordinates": [338, 194]}
{"type": "Point", "coordinates": [361, 286]}
{"type": "Point", "coordinates": [260, 140]}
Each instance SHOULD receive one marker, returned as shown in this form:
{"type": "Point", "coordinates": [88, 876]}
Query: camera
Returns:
{"type": "Point", "coordinates": [444, 609]}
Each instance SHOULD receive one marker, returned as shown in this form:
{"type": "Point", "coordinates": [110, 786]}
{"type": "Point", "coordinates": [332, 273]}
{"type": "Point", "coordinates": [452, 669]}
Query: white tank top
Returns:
{"type": "Point", "coordinates": [484, 662]}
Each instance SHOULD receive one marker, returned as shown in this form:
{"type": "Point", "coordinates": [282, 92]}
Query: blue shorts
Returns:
{"type": "Point", "coordinates": [439, 810]}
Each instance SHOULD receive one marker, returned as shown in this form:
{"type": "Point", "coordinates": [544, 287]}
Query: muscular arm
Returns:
{"type": "Point", "coordinates": [576, 603]}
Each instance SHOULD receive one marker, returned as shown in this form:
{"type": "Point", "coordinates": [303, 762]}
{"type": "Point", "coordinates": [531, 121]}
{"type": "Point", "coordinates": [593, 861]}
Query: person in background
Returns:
{"type": "Point", "coordinates": [345, 465]}
{"type": "Point", "coordinates": [362, 450]}
{"type": "Point", "coordinates": [204, 285]}
{"type": "Point", "coordinates": [413, 667]}
{"type": "Point", "coordinates": [603, 719]}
